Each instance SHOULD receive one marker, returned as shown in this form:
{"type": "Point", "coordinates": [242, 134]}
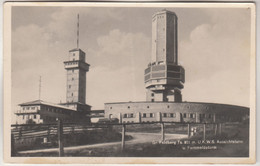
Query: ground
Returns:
{"type": "Point", "coordinates": [233, 142]}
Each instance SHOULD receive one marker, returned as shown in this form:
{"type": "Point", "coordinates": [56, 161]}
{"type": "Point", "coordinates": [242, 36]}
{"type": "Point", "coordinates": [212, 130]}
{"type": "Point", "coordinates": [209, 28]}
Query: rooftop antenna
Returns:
{"type": "Point", "coordinates": [40, 84]}
{"type": "Point", "coordinates": [78, 32]}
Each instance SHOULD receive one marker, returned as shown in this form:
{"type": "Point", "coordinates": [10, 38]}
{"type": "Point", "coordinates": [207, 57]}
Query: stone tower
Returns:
{"type": "Point", "coordinates": [164, 78]}
{"type": "Point", "coordinates": [76, 76]}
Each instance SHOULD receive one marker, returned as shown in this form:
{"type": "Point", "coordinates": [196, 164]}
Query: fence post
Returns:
{"type": "Point", "coordinates": [48, 134]}
{"type": "Point", "coordinates": [20, 132]}
{"type": "Point", "coordinates": [72, 129]}
{"type": "Point", "coordinates": [216, 129]}
{"type": "Point", "coordinates": [13, 151]}
{"type": "Point", "coordinates": [220, 128]}
{"type": "Point", "coordinates": [162, 130]}
{"type": "Point", "coordinates": [60, 137]}
{"type": "Point", "coordinates": [204, 131]}
{"type": "Point", "coordinates": [123, 138]}
{"type": "Point", "coordinates": [188, 130]}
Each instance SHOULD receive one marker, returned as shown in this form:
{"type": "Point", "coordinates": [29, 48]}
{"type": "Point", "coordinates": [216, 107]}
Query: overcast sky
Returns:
{"type": "Point", "coordinates": [214, 49]}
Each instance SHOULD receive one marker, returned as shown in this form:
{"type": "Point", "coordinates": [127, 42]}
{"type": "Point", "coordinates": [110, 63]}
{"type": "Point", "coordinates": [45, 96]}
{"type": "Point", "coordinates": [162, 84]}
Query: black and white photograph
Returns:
{"type": "Point", "coordinates": [129, 82]}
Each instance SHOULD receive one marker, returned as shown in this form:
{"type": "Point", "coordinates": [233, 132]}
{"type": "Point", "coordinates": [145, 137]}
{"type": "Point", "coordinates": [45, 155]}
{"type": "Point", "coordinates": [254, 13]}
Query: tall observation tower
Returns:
{"type": "Point", "coordinates": [76, 78]}
{"type": "Point", "coordinates": [164, 78]}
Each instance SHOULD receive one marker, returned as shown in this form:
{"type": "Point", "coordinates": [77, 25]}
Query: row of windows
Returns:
{"type": "Point", "coordinates": [56, 110]}
{"type": "Point", "coordinates": [29, 117]}
{"type": "Point", "coordinates": [72, 63]}
{"type": "Point", "coordinates": [149, 115]}
{"type": "Point", "coordinates": [185, 115]}
{"type": "Point", "coordinates": [169, 115]}
{"type": "Point", "coordinates": [28, 108]}
{"type": "Point", "coordinates": [128, 116]}
{"type": "Point", "coordinates": [192, 115]}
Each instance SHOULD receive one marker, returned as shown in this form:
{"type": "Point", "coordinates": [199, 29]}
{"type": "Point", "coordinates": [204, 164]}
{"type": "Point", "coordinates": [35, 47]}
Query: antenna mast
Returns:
{"type": "Point", "coordinates": [40, 82]}
{"type": "Point", "coordinates": [78, 32]}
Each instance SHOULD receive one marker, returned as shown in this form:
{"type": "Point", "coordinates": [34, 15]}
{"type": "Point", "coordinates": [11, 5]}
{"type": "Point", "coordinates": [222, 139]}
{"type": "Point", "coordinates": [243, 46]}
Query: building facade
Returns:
{"type": "Point", "coordinates": [164, 79]}
{"type": "Point", "coordinates": [129, 112]}
{"type": "Point", "coordinates": [38, 111]}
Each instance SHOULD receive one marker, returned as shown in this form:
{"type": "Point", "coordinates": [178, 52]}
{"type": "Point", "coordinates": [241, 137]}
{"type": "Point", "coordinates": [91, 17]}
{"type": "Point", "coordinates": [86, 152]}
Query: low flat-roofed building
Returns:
{"type": "Point", "coordinates": [39, 111]}
{"type": "Point", "coordinates": [192, 112]}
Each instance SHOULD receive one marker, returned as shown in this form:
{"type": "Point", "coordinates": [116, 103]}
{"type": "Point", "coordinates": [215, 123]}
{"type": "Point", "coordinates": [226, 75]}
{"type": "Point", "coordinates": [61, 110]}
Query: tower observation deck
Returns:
{"type": "Point", "coordinates": [164, 78]}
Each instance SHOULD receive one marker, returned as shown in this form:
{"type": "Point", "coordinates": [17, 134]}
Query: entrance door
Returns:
{"type": "Point", "coordinates": [110, 116]}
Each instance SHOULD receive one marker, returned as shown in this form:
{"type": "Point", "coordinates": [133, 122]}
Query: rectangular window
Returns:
{"type": "Point", "coordinates": [210, 115]}
{"type": "Point", "coordinates": [144, 115]}
{"type": "Point", "coordinates": [151, 115]}
{"type": "Point", "coordinates": [172, 115]}
{"type": "Point", "coordinates": [191, 115]}
{"type": "Point", "coordinates": [34, 116]}
{"type": "Point", "coordinates": [131, 115]}
{"type": "Point", "coordinates": [184, 115]}
{"type": "Point", "coordinates": [125, 115]}
{"type": "Point", "coordinates": [164, 115]}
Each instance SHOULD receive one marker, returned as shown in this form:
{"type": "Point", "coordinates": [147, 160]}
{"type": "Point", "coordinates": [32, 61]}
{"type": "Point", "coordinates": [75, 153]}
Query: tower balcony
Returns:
{"type": "Point", "coordinates": [170, 75]}
{"type": "Point", "coordinates": [76, 64]}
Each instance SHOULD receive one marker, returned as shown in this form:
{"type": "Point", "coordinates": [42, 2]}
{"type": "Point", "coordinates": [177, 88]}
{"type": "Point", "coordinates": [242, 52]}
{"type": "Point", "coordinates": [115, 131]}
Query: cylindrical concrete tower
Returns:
{"type": "Point", "coordinates": [164, 78]}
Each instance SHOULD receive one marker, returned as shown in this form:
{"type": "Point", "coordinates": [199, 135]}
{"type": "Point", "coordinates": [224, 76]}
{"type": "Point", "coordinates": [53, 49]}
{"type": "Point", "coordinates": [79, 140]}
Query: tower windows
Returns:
{"type": "Point", "coordinates": [152, 94]}
{"type": "Point", "coordinates": [71, 94]}
{"type": "Point", "coordinates": [72, 79]}
{"type": "Point", "coordinates": [128, 107]}
{"type": "Point", "coordinates": [152, 100]}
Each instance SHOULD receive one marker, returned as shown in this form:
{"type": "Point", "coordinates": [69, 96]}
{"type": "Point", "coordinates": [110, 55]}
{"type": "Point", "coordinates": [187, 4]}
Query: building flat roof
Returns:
{"type": "Point", "coordinates": [41, 102]}
{"type": "Point", "coordinates": [149, 102]}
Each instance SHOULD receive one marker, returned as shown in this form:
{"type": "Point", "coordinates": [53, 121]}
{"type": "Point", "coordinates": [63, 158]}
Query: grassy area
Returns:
{"type": "Point", "coordinates": [236, 132]}
{"type": "Point", "coordinates": [76, 139]}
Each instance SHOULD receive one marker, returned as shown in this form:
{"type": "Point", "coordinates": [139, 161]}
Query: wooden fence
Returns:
{"type": "Point", "coordinates": [59, 129]}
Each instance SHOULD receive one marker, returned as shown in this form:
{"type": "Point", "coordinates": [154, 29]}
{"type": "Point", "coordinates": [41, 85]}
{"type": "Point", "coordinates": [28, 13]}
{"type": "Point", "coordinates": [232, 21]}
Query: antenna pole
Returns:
{"type": "Point", "coordinates": [40, 82]}
{"type": "Point", "coordinates": [78, 32]}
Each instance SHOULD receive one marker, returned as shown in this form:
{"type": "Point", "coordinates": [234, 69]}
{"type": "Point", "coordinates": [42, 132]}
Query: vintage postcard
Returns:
{"type": "Point", "coordinates": [128, 83]}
